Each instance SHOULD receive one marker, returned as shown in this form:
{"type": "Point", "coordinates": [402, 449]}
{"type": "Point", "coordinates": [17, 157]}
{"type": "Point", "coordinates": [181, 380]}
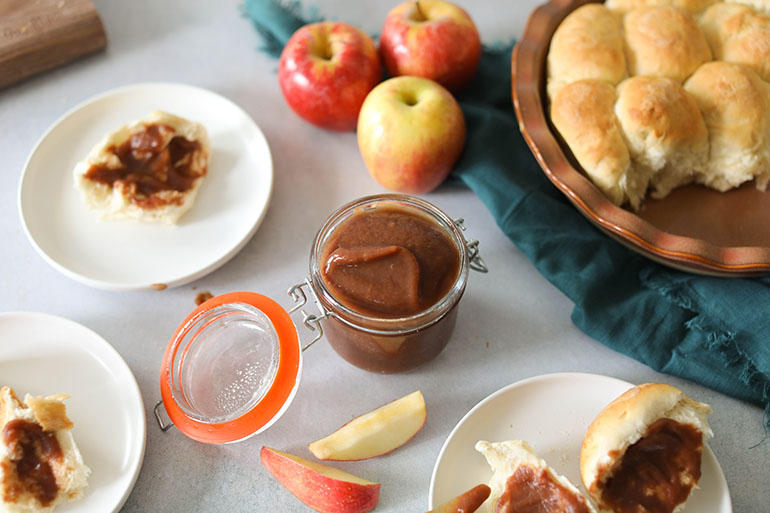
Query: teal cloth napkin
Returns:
{"type": "Point", "coordinates": [714, 331]}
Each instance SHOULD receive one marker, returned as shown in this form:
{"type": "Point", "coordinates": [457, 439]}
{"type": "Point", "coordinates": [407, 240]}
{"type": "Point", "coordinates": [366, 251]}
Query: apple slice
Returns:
{"type": "Point", "coordinates": [323, 488]}
{"type": "Point", "coordinates": [467, 502]}
{"type": "Point", "coordinates": [375, 433]}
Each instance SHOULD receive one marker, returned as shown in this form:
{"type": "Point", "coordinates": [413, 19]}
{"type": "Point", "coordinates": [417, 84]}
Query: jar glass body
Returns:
{"type": "Point", "coordinates": [382, 343]}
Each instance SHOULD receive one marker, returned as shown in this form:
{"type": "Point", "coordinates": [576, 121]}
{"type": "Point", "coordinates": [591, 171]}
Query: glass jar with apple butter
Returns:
{"type": "Point", "coordinates": [388, 272]}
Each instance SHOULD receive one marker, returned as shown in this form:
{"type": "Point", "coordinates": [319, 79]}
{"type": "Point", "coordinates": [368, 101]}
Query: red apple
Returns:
{"type": "Point", "coordinates": [323, 488]}
{"type": "Point", "coordinates": [325, 72]}
{"type": "Point", "coordinates": [410, 133]}
{"type": "Point", "coordinates": [432, 39]}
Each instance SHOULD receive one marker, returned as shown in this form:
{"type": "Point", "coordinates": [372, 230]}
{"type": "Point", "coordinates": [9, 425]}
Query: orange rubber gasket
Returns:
{"type": "Point", "coordinates": [271, 404]}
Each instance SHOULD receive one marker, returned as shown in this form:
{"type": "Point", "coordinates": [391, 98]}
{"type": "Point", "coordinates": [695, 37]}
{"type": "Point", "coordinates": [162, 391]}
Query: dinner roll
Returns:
{"type": "Point", "coordinates": [759, 5]}
{"type": "Point", "coordinates": [643, 451]}
{"type": "Point", "coordinates": [664, 40]}
{"type": "Point", "coordinates": [664, 129]}
{"type": "Point", "coordinates": [587, 44]}
{"type": "Point", "coordinates": [738, 33]}
{"type": "Point", "coordinates": [583, 113]}
{"type": "Point", "coordinates": [515, 463]}
{"type": "Point", "coordinates": [691, 6]}
{"type": "Point", "coordinates": [735, 104]}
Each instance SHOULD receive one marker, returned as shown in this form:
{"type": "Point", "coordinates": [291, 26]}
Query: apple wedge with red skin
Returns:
{"type": "Point", "coordinates": [467, 502]}
{"type": "Point", "coordinates": [323, 488]}
{"type": "Point", "coordinates": [375, 433]}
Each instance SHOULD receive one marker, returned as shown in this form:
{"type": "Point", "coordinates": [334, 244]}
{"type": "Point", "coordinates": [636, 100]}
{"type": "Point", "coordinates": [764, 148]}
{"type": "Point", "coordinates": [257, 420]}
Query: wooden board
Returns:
{"type": "Point", "coordinates": [36, 35]}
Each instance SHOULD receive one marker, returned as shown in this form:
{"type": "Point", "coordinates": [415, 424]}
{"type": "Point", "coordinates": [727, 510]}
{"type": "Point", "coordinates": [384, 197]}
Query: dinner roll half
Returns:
{"type": "Point", "coordinates": [691, 6]}
{"type": "Point", "coordinates": [583, 113]}
{"type": "Point", "coordinates": [587, 44]}
{"type": "Point", "coordinates": [665, 41]}
{"type": "Point", "coordinates": [738, 33]}
{"type": "Point", "coordinates": [515, 463]}
{"type": "Point", "coordinates": [735, 104]}
{"type": "Point", "coordinates": [664, 129]}
{"type": "Point", "coordinates": [643, 451]}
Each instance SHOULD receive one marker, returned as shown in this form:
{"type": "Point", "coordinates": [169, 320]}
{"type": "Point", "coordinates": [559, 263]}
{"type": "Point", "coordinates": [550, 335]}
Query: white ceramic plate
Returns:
{"type": "Point", "coordinates": [42, 354]}
{"type": "Point", "coordinates": [126, 255]}
{"type": "Point", "coordinates": [552, 413]}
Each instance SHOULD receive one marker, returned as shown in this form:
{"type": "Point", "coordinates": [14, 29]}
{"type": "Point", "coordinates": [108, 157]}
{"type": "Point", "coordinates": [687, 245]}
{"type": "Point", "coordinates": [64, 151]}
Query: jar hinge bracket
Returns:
{"type": "Point", "coordinates": [163, 426]}
{"type": "Point", "coordinates": [474, 256]}
{"type": "Point", "coordinates": [311, 321]}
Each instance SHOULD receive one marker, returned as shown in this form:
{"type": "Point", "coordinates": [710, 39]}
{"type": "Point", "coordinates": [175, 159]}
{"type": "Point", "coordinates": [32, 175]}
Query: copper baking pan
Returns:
{"type": "Point", "coordinates": [695, 229]}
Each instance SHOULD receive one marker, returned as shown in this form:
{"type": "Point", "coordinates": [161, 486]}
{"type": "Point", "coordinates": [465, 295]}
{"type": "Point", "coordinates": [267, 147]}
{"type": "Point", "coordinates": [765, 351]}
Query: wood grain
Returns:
{"type": "Point", "coordinates": [36, 35]}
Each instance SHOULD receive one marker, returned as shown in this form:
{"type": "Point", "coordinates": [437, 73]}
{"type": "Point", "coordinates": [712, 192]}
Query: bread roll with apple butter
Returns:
{"type": "Point", "coordinates": [524, 482]}
{"type": "Point", "coordinates": [642, 453]}
{"type": "Point", "coordinates": [149, 170]}
{"type": "Point", "coordinates": [587, 45]}
{"type": "Point", "coordinates": [40, 465]}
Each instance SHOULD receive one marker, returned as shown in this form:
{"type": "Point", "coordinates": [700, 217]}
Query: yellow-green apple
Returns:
{"type": "Point", "coordinates": [410, 133]}
{"type": "Point", "coordinates": [433, 39]}
{"type": "Point", "coordinates": [325, 72]}
{"type": "Point", "coordinates": [467, 502]}
{"type": "Point", "coordinates": [323, 488]}
{"type": "Point", "coordinates": [375, 433]}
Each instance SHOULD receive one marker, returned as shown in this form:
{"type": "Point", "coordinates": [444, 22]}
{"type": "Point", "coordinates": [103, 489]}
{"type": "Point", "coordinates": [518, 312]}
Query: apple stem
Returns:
{"type": "Point", "coordinates": [420, 15]}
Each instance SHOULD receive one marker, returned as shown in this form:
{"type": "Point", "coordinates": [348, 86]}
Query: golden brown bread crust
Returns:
{"type": "Point", "coordinates": [583, 113]}
{"type": "Point", "coordinates": [691, 6]}
{"type": "Point", "coordinates": [587, 44]}
{"type": "Point", "coordinates": [759, 5]}
{"type": "Point", "coordinates": [665, 41]}
{"type": "Point", "coordinates": [623, 422]}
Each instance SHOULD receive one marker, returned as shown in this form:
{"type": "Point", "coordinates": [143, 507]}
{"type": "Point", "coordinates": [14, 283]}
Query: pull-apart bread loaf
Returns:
{"type": "Point", "coordinates": [680, 116]}
{"type": "Point", "coordinates": [642, 453]}
{"type": "Point", "coordinates": [149, 170]}
{"type": "Point", "coordinates": [40, 465]}
{"type": "Point", "coordinates": [521, 481]}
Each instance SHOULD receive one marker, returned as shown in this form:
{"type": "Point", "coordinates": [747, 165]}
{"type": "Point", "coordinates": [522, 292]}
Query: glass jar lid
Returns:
{"type": "Point", "coordinates": [231, 368]}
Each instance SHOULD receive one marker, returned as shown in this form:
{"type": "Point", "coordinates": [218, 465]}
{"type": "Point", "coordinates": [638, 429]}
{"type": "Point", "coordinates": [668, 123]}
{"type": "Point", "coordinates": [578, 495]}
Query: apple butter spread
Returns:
{"type": "Point", "coordinates": [28, 468]}
{"type": "Point", "coordinates": [658, 472]}
{"type": "Point", "coordinates": [390, 262]}
{"type": "Point", "coordinates": [531, 490]}
{"type": "Point", "coordinates": [389, 271]}
{"type": "Point", "coordinates": [148, 167]}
